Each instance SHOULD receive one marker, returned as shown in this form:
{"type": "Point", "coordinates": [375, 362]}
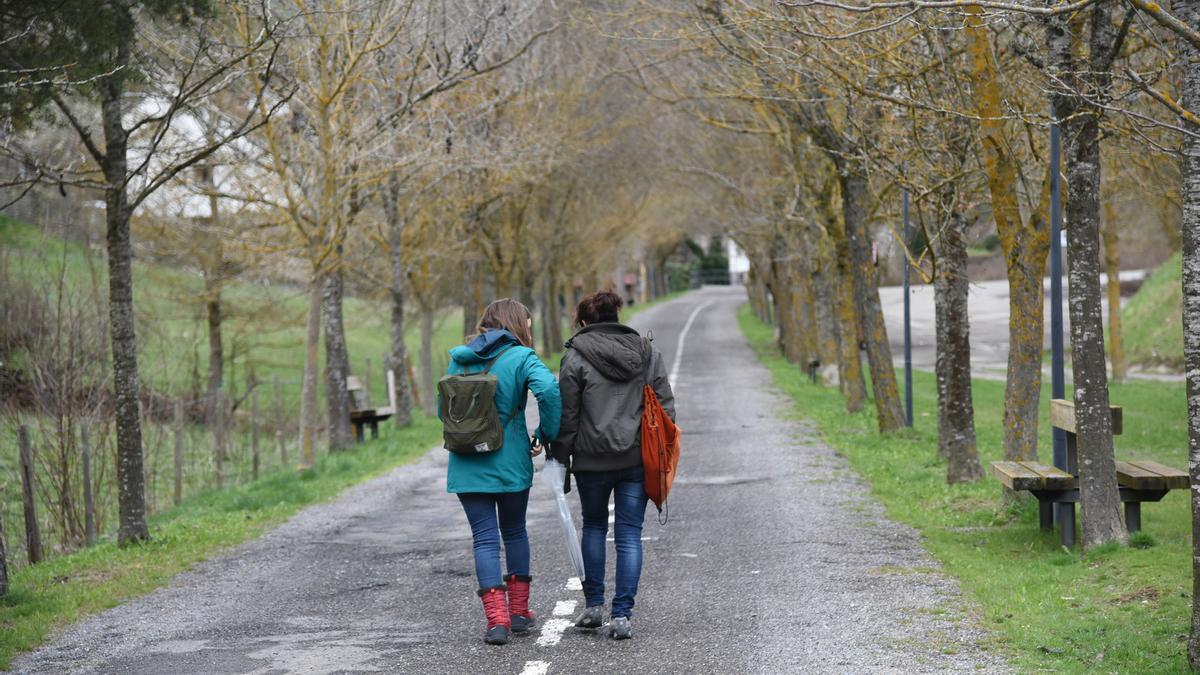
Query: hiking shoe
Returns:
{"type": "Point", "coordinates": [621, 629]}
{"type": "Point", "coordinates": [495, 608]}
{"type": "Point", "coordinates": [521, 619]}
{"type": "Point", "coordinates": [497, 635]}
{"type": "Point", "coordinates": [592, 617]}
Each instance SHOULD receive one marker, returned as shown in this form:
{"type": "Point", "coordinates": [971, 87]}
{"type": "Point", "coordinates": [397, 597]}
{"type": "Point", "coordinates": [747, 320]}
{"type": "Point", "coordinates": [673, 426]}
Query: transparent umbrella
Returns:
{"type": "Point", "coordinates": [554, 477]}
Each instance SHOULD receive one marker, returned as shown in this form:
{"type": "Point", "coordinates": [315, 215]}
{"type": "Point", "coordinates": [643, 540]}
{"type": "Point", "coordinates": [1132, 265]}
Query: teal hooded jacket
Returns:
{"type": "Point", "coordinates": [518, 369]}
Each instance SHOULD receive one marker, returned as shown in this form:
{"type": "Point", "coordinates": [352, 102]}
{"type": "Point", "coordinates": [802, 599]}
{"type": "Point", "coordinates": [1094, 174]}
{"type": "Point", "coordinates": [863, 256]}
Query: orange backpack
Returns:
{"type": "Point", "coordinates": [660, 446]}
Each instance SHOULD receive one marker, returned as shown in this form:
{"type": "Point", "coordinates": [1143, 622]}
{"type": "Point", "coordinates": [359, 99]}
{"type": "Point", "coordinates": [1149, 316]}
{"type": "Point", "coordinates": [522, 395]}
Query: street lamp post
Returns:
{"type": "Point", "coordinates": [1057, 368]}
{"type": "Point", "coordinates": [908, 395]}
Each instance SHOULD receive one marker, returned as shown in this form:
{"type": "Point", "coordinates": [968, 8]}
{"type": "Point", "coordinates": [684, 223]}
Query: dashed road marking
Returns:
{"type": "Point", "coordinates": [536, 668]}
{"type": "Point", "coordinates": [552, 632]}
{"type": "Point", "coordinates": [565, 607]}
{"type": "Point", "coordinates": [574, 584]}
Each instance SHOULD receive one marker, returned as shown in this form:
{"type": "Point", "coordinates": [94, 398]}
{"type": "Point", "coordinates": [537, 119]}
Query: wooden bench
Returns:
{"type": "Point", "coordinates": [1137, 481]}
{"type": "Point", "coordinates": [362, 415]}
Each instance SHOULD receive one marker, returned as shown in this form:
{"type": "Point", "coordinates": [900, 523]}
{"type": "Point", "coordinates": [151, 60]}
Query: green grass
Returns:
{"type": "Point", "coordinates": [1110, 610]}
{"type": "Point", "coordinates": [263, 325]}
{"type": "Point", "coordinates": [1152, 319]}
{"type": "Point", "coordinates": [263, 330]}
{"type": "Point", "coordinates": [46, 596]}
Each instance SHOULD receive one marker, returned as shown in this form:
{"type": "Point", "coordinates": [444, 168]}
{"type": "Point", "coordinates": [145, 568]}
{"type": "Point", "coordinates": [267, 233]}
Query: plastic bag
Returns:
{"type": "Point", "coordinates": [554, 477]}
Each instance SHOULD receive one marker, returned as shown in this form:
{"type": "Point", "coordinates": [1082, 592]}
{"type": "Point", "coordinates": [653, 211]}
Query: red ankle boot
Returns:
{"type": "Point", "coordinates": [518, 603]}
{"type": "Point", "coordinates": [495, 608]}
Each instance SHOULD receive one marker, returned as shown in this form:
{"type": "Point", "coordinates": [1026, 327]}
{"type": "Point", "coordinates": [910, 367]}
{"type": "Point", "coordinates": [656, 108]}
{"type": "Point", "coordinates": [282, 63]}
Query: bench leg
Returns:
{"type": "Point", "coordinates": [358, 432]}
{"type": "Point", "coordinates": [1046, 515]}
{"type": "Point", "coordinates": [1133, 516]}
{"type": "Point", "coordinates": [1066, 521]}
{"type": "Point", "coordinates": [374, 429]}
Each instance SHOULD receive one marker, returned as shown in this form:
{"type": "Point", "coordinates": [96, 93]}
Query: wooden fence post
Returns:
{"type": "Point", "coordinates": [89, 500]}
{"type": "Point", "coordinates": [279, 437]}
{"type": "Point", "coordinates": [33, 535]}
{"type": "Point", "coordinates": [254, 434]}
{"type": "Point", "coordinates": [3, 561]}
{"type": "Point", "coordinates": [178, 451]}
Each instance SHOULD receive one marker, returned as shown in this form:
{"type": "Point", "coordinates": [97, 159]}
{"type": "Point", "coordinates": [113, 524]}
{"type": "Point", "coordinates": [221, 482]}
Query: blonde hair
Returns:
{"type": "Point", "coordinates": [510, 315]}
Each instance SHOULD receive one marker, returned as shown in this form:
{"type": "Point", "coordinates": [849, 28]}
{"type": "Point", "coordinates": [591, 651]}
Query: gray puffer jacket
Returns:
{"type": "Point", "coordinates": [601, 380]}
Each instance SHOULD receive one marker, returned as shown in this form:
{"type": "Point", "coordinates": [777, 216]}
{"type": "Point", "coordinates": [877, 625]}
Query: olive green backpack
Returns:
{"type": "Point", "coordinates": [471, 424]}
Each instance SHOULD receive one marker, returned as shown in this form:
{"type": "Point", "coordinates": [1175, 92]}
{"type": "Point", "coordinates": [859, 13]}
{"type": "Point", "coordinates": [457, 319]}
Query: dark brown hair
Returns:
{"type": "Point", "coordinates": [510, 315]}
{"type": "Point", "coordinates": [599, 307]}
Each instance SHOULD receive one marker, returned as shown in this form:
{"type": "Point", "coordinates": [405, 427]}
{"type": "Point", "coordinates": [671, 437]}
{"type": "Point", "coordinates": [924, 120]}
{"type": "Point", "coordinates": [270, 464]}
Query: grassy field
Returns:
{"type": "Point", "coordinates": [263, 331]}
{"type": "Point", "coordinates": [1152, 318]}
{"type": "Point", "coordinates": [1115, 609]}
{"type": "Point", "coordinates": [47, 596]}
{"type": "Point", "coordinates": [263, 327]}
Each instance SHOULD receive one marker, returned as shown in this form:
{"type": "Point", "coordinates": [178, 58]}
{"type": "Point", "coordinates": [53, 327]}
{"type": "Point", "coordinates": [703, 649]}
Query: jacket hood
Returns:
{"type": "Point", "coordinates": [617, 351]}
{"type": "Point", "coordinates": [484, 347]}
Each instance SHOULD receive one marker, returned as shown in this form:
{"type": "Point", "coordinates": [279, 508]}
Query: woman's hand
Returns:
{"type": "Point", "coordinates": [535, 447]}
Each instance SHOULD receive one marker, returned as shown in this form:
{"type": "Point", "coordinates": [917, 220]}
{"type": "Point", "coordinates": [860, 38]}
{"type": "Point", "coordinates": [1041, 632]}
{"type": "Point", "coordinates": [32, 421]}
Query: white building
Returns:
{"type": "Point", "coordinates": [739, 264]}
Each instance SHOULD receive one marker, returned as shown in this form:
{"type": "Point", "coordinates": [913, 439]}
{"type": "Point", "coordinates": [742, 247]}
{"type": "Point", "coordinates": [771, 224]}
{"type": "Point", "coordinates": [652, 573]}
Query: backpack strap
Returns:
{"type": "Point", "coordinates": [517, 404]}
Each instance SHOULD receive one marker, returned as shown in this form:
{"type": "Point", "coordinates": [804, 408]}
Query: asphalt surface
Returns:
{"type": "Point", "coordinates": [987, 308]}
{"type": "Point", "coordinates": [775, 560]}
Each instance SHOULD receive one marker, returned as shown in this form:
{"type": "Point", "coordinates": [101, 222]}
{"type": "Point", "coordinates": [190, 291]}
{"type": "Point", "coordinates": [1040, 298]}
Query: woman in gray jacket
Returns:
{"type": "Point", "coordinates": [601, 379]}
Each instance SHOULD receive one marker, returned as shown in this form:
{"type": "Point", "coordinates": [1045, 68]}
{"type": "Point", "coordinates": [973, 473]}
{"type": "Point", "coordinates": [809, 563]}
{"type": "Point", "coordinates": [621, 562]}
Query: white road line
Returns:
{"type": "Point", "coordinates": [536, 668]}
{"type": "Point", "coordinates": [552, 632]}
{"type": "Point", "coordinates": [565, 607]}
{"type": "Point", "coordinates": [574, 584]}
{"type": "Point", "coordinates": [682, 336]}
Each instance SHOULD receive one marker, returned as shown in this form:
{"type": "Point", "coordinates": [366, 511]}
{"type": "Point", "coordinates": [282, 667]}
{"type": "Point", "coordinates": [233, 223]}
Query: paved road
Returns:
{"type": "Point", "coordinates": [988, 312]}
{"type": "Point", "coordinates": [775, 560]}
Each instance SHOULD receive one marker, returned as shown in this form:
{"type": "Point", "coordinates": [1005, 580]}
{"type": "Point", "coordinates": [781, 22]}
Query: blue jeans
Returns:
{"type": "Point", "coordinates": [629, 510]}
{"type": "Point", "coordinates": [494, 516]}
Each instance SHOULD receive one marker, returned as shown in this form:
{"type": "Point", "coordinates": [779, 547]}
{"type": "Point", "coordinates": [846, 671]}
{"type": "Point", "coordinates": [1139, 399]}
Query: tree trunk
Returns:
{"type": "Point", "coordinates": [398, 352]}
{"type": "Point", "coordinates": [956, 410]}
{"type": "Point", "coordinates": [337, 363]}
{"type": "Point", "coordinates": [131, 482]}
{"type": "Point", "coordinates": [1100, 501]}
{"type": "Point", "coordinates": [785, 307]}
{"type": "Point", "coordinates": [1112, 269]}
{"type": "Point", "coordinates": [1025, 246]}
{"type": "Point", "coordinates": [555, 329]}
{"type": "Point", "coordinates": [3, 562]}
{"type": "Point", "coordinates": [473, 302]}
{"type": "Point", "coordinates": [824, 278]}
{"type": "Point", "coordinates": [889, 413]}
{"type": "Point", "coordinates": [308, 395]}
{"type": "Point", "coordinates": [804, 314]}
{"type": "Point", "coordinates": [216, 353]}
{"type": "Point", "coordinates": [430, 397]}
{"type": "Point", "coordinates": [544, 315]}
{"type": "Point", "coordinates": [1189, 12]}
{"type": "Point", "coordinates": [850, 375]}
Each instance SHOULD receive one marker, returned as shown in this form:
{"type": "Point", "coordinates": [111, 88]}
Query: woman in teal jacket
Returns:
{"type": "Point", "coordinates": [494, 487]}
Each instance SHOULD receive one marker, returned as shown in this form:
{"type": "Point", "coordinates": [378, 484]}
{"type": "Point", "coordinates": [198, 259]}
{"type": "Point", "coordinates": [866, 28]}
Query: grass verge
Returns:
{"type": "Point", "coordinates": [1110, 610]}
{"type": "Point", "coordinates": [47, 596]}
{"type": "Point", "coordinates": [1152, 318]}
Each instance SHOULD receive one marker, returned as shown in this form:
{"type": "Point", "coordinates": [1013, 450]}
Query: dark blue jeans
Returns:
{"type": "Point", "coordinates": [629, 510]}
{"type": "Point", "coordinates": [494, 516]}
